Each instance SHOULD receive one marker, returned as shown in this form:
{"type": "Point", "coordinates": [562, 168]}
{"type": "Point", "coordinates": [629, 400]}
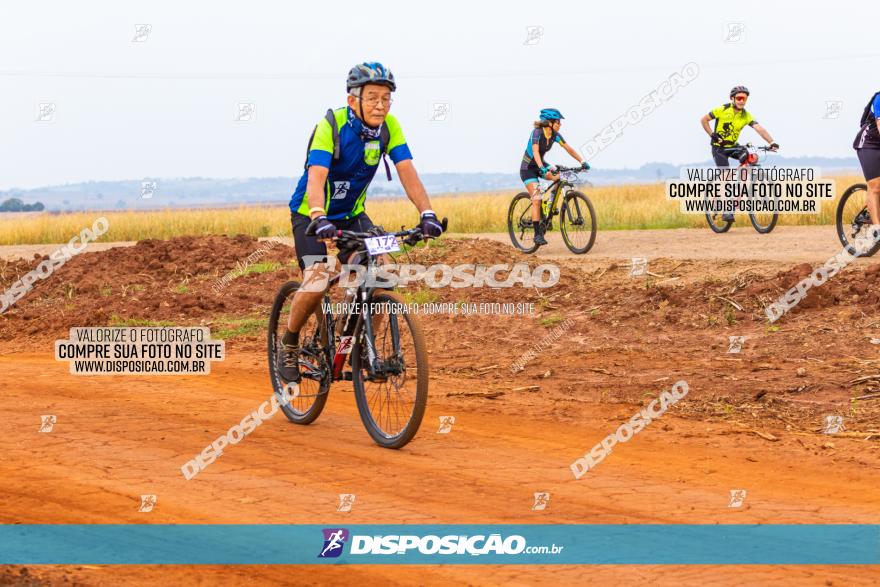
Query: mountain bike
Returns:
{"type": "Point", "coordinates": [374, 334]}
{"type": "Point", "coordinates": [763, 222]}
{"type": "Point", "coordinates": [853, 221]}
{"type": "Point", "coordinates": [577, 222]}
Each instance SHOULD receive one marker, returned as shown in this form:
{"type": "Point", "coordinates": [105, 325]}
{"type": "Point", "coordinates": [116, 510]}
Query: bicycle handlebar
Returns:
{"type": "Point", "coordinates": [751, 146]}
{"type": "Point", "coordinates": [559, 168]}
{"type": "Point", "coordinates": [410, 236]}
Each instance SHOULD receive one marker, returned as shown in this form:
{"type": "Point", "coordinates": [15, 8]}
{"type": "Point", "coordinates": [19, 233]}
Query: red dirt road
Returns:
{"type": "Point", "coordinates": [742, 243]}
{"type": "Point", "coordinates": [751, 421]}
{"type": "Point", "coordinates": [117, 438]}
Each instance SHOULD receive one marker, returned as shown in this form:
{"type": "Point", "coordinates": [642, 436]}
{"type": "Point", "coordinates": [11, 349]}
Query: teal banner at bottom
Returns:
{"type": "Point", "coordinates": [278, 544]}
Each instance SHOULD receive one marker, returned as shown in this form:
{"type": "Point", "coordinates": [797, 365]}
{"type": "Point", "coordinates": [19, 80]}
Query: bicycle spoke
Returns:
{"type": "Point", "coordinates": [577, 223]}
{"type": "Point", "coordinates": [388, 397]}
{"type": "Point", "coordinates": [314, 370]}
{"type": "Point", "coordinates": [853, 219]}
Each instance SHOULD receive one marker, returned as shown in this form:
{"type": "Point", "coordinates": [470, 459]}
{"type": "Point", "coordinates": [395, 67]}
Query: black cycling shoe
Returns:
{"type": "Point", "coordinates": [287, 362]}
{"type": "Point", "coordinates": [727, 218]}
{"type": "Point", "coordinates": [539, 234]}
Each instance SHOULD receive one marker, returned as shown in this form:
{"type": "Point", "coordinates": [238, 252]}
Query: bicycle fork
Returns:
{"type": "Point", "coordinates": [390, 364]}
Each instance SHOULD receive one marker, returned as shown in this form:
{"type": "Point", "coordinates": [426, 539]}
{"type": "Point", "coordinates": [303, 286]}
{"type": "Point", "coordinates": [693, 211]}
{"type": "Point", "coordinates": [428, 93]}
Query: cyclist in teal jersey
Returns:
{"type": "Point", "coordinates": [533, 165]}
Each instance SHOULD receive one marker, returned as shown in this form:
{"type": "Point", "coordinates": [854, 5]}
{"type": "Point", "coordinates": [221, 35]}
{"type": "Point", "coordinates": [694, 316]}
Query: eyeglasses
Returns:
{"type": "Point", "coordinates": [372, 102]}
{"type": "Point", "coordinates": [740, 98]}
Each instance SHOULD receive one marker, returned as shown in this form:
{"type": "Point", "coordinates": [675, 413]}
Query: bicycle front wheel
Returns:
{"type": "Point", "coordinates": [390, 372]}
{"type": "Point", "coordinates": [763, 222]}
{"type": "Point", "coordinates": [578, 223]}
{"type": "Point", "coordinates": [519, 223]}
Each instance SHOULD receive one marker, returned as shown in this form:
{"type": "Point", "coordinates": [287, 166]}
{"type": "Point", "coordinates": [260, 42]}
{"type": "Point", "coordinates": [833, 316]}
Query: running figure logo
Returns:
{"type": "Point", "coordinates": [639, 267]}
{"type": "Point", "coordinates": [834, 424]}
{"type": "Point", "coordinates": [737, 498]}
{"type": "Point", "coordinates": [735, 32]}
{"type": "Point", "coordinates": [446, 423]}
{"type": "Point", "coordinates": [346, 500]}
{"type": "Point", "coordinates": [534, 35]}
{"type": "Point", "coordinates": [439, 112]}
{"type": "Point", "coordinates": [147, 503]}
{"type": "Point", "coordinates": [142, 33]}
{"type": "Point", "coordinates": [148, 189]}
{"type": "Point", "coordinates": [340, 189]}
{"type": "Point", "coordinates": [46, 112]}
{"type": "Point", "coordinates": [47, 423]}
{"type": "Point", "coordinates": [334, 541]}
{"type": "Point", "coordinates": [541, 501]}
{"type": "Point", "coordinates": [832, 109]}
{"type": "Point", "coordinates": [735, 344]}
{"type": "Point", "coordinates": [245, 112]}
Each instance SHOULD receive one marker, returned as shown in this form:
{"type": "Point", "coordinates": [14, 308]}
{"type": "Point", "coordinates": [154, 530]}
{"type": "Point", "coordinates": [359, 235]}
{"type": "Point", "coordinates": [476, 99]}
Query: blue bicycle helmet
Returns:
{"type": "Point", "coordinates": [369, 73]}
{"type": "Point", "coordinates": [551, 114]}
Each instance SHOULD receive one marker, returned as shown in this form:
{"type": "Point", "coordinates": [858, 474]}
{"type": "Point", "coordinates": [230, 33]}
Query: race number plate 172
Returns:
{"type": "Point", "coordinates": [376, 245]}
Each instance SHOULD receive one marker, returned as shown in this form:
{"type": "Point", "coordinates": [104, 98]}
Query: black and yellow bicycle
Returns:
{"type": "Point", "coordinates": [577, 217]}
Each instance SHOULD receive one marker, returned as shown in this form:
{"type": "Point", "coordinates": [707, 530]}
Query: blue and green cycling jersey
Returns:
{"type": "Point", "coordinates": [351, 174]}
{"type": "Point", "coordinates": [544, 144]}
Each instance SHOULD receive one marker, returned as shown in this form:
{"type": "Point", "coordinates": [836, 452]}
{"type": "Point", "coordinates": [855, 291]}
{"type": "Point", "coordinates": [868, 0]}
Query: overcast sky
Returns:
{"type": "Point", "coordinates": [163, 102]}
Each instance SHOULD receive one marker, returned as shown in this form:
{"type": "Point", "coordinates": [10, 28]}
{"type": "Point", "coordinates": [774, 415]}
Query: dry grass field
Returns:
{"type": "Point", "coordinates": [618, 207]}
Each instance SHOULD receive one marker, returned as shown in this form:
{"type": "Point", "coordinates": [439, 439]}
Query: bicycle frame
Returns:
{"type": "Point", "coordinates": [549, 207]}
{"type": "Point", "coordinates": [360, 310]}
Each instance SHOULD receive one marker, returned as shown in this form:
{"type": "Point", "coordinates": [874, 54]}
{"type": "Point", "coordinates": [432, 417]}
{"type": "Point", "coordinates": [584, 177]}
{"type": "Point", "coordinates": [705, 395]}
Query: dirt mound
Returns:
{"type": "Point", "coordinates": [196, 280]}
{"type": "Point", "coordinates": [179, 281]}
{"type": "Point", "coordinates": [593, 324]}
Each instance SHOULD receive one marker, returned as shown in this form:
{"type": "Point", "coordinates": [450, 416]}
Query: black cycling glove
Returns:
{"type": "Point", "coordinates": [321, 228]}
{"type": "Point", "coordinates": [430, 224]}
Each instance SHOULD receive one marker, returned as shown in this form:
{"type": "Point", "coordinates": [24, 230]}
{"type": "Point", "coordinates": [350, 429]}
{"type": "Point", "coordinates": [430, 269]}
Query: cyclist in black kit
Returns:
{"type": "Point", "coordinates": [867, 146]}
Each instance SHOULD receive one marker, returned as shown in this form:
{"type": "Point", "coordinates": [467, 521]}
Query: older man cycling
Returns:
{"type": "Point", "coordinates": [343, 156]}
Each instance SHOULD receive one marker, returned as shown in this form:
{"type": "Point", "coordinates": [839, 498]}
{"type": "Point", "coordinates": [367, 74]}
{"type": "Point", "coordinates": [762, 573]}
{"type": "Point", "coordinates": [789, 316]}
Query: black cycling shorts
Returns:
{"type": "Point", "coordinates": [315, 250]}
{"type": "Point", "coordinates": [529, 174]}
{"type": "Point", "coordinates": [722, 154]}
{"type": "Point", "coordinates": [870, 160]}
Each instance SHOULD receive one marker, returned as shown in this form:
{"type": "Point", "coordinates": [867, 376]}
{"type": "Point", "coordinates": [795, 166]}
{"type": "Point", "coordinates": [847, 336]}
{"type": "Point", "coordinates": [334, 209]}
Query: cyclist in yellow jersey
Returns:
{"type": "Point", "coordinates": [730, 119]}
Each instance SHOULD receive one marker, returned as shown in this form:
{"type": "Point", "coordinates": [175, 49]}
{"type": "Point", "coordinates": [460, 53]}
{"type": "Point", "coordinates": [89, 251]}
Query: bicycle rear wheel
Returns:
{"type": "Point", "coordinates": [578, 223]}
{"type": "Point", "coordinates": [519, 223]}
{"type": "Point", "coordinates": [313, 365]}
{"type": "Point", "coordinates": [853, 221]}
{"type": "Point", "coordinates": [392, 398]}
